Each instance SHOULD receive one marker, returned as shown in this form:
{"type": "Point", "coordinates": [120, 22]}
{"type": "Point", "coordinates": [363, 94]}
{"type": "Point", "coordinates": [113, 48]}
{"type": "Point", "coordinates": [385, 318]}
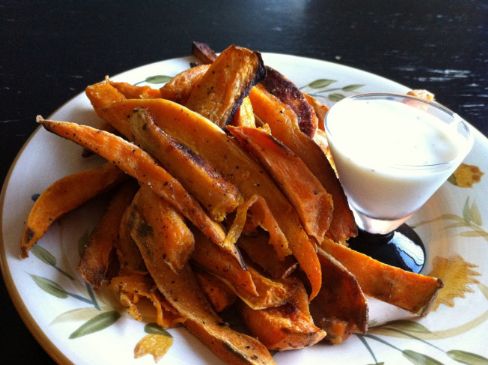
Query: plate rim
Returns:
{"type": "Point", "coordinates": [35, 330]}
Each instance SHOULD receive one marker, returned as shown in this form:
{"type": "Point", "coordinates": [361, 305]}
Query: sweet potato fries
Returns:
{"type": "Point", "coordinates": [228, 204]}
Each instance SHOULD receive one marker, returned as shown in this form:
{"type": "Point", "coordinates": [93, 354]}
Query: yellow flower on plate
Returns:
{"type": "Point", "coordinates": [153, 344]}
{"type": "Point", "coordinates": [466, 176]}
{"type": "Point", "coordinates": [457, 275]}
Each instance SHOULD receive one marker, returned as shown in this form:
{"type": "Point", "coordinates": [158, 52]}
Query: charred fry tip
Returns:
{"type": "Point", "coordinates": [24, 253]}
{"type": "Point", "coordinates": [427, 307]}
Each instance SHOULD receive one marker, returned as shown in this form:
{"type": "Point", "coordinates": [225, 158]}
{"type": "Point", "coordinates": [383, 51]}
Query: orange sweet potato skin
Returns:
{"type": "Point", "coordinates": [288, 93]}
{"type": "Point", "coordinates": [244, 116]}
{"type": "Point", "coordinates": [253, 288]}
{"type": "Point", "coordinates": [320, 109]}
{"type": "Point", "coordinates": [219, 295]}
{"type": "Point", "coordinates": [181, 290]}
{"type": "Point", "coordinates": [131, 288]}
{"type": "Point", "coordinates": [407, 290]}
{"type": "Point", "coordinates": [101, 96]}
{"type": "Point", "coordinates": [218, 196]}
{"type": "Point", "coordinates": [260, 253]}
{"type": "Point", "coordinates": [225, 156]}
{"type": "Point", "coordinates": [219, 93]}
{"type": "Point", "coordinates": [135, 92]}
{"type": "Point", "coordinates": [65, 195]}
{"type": "Point", "coordinates": [175, 241]}
{"type": "Point", "coordinates": [287, 327]}
{"type": "Point", "coordinates": [95, 261]}
{"type": "Point", "coordinates": [179, 88]}
{"type": "Point", "coordinates": [313, 203]}
{"type": "Point", "coordinates": [203, 52]}
{"type": "Point", "coordinates": [215, 261]}
{"type": "Point", "coordinates": [284, 126]}
{"type": "Point", "coordinates": [130, 259]}
{"type": "Point", "coordinates": [341, 307]}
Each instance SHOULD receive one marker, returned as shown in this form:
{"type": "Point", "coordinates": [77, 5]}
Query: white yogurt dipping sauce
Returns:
{"type": "Point", "coordinates": [391, 156]}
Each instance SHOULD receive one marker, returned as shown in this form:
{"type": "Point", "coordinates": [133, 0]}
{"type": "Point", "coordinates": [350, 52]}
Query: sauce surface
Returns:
{"type": "Point", "coordinates": [392, 133]}
{"type": "Point", "coordinates": [391, 156]}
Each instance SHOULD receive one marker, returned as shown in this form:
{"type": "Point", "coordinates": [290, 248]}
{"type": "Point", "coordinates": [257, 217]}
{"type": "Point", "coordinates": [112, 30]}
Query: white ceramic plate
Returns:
{"type": "Point", "coordinates": [54, 302]}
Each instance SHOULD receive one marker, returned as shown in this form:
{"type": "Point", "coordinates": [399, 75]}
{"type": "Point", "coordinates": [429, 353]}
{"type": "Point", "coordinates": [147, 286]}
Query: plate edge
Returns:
{"type": "Point", "coordinates": [42, 339]}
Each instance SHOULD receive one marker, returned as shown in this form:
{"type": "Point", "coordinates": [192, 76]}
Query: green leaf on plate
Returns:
{"type": "Point", "coordinates": [44, 255]}
{"type": "Point", "coordinates": [475, 214]}
{"type": "Point", "coordinates": [320, 83]}
{"type": "Point", "coordinates": [484, 290]}
{"type": "Point", "coordinates": [352, 87]}
{"type": "Point", "coordinates": [473, 234]}
{"type": "Point", "coordinates": [158, 79]}
{"type": "Point", "coordinates": [336, 97]}
{"type": "Point", "coordinates": [457, 225]}
{"type": "Point", "coordinates": [419, 359]}
{"type": "Point", "coordinates": [373, 323]}
{"type": "Point", "coordinates": [155, 329]}
{"type": "Point", "coordinates": [78, 314]}
{"type": "Point", "coordinates": [96, 324]}
{"type": "Point", "coordinates": [452, 217]}
{"type": "Point", "coordinates": [49, 286]}
{"type": "Point", "coordinates": [408, 326]}
{"type": "Point", "coordinates": [466, 216]}
{"type": "Point", "coordinates": [467, 357]}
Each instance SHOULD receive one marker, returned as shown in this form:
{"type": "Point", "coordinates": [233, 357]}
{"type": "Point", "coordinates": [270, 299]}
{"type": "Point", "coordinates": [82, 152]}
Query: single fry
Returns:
{"type": "Point", "coordinates": [285, 90]}
{"type": "Point", "coordinates": [135, 92]}
{"type": "Point", "coordinates": [289, 327]}
{"type": "Point", "coordinates": [179, 88]}
{"type": "Point", "coordinates": [284, 126]}
{"type": "Point", "coordinates": [203, 52]}
{"type": "Point", "coordinates": [210, 142]}
{"type": "Point", "coordinates": [137, 163]}
{"type": "Point", "coordinates": [101, 96]}
{"type": "Point", "coordinates": [183, 293]}
{"type": "Point", "coordinates": [217, 195]}
{"type": "Point", "coordinates": [412, 292]}
{"type": "Point", "coordinates": [174, 241]}
{"type": "Point", "coordinates": [63, 196]}
{"type": "Point", "coordinates": [97, 254]}
{"type": "Point", "coordinates": [244, 116]}
{"type": "Point", "coordinates": [219, 93]}
{"type": "Point", "coordinates": [341, 307]}
{"type": "Point", "coordinates": [312, 202]}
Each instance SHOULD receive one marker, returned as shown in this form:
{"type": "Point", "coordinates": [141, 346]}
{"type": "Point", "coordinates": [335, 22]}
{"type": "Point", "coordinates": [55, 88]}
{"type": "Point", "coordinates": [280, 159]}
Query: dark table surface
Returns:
{"type": "Point", "coordinates": [50, 50]}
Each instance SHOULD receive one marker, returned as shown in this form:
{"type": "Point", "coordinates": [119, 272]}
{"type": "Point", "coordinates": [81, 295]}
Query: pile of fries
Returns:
{"type": "Point", "coordinates": [222, 199]}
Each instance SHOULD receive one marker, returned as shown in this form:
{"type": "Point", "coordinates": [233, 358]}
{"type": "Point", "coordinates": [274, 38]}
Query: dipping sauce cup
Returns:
{"type": "Point", "coordinates": [392, 152]}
